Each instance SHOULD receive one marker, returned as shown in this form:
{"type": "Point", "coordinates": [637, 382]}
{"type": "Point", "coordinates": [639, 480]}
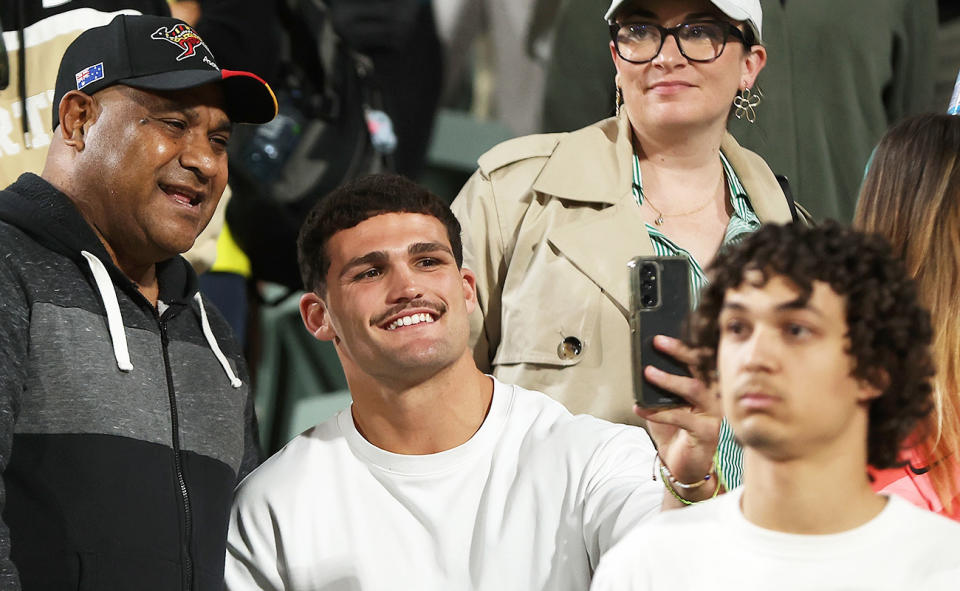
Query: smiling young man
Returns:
{"type": "Point", "coordinates": [438, 476]}
{"type": "Point", "coordinates": [125, 421]}
{"type": "Point", "coordinates": [820, 350]}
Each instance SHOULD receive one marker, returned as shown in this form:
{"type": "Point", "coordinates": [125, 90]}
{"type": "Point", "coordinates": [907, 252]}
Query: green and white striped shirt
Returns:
{"type": "Point", "coordinates": [742, 222]}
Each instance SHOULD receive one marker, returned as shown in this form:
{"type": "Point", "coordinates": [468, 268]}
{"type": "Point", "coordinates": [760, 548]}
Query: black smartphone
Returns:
{"type": "Point", "coordinates": [659, 304]}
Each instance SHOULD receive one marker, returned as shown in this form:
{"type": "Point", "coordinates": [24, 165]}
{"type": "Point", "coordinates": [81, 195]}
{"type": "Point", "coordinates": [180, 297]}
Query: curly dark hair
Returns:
{"type": "Point", "coordinates": [356, 201]}
{"type": "Point", "coordinates": [888, 330]}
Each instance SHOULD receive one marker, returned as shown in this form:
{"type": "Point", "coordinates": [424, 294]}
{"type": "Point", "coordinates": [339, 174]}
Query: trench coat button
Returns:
{"type": "Point", "coordinates": [569, 348]}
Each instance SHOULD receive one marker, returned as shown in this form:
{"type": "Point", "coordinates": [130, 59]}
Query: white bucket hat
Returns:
{"type": "Point", "coordinates": [739, 10]}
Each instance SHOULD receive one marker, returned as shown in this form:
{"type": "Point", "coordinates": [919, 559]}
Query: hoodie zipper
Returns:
{"type": "Point", "coordinates": [177, 462]}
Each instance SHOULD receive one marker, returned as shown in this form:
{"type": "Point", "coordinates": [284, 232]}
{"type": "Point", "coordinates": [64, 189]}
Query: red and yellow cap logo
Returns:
{"type": "Point", "coordinates": [182, 36]}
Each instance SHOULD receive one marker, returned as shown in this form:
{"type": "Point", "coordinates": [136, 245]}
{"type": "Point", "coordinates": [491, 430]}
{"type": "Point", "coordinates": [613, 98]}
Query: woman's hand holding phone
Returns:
{"type": "Point", "coordinates": [686, 436]}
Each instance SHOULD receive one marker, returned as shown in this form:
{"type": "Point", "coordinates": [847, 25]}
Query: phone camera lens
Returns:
{"type": "Point", "coordinates": [649, 300]}
{"type": "Point", "coordinates": [648, 273]}
{"type": "Point", "coordinates": [648, 285]}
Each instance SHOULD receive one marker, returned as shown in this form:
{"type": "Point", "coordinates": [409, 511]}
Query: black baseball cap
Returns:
{"type": "Point", "coordinates": [157, 53]}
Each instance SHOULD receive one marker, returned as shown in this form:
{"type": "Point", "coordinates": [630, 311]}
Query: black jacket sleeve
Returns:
{"type": "Point", "coordinates": [14, 342]}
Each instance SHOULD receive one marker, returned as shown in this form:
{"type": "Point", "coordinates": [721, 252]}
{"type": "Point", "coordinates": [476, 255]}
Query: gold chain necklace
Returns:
{"type": "Point", "coordinates": [660, 216]}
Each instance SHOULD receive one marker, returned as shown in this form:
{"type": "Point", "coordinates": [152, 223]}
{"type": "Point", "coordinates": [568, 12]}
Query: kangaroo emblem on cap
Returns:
{"type": "Point", "coordinates": [182, 36]}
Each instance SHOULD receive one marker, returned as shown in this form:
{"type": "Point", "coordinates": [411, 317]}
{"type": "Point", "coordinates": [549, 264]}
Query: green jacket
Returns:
{"type": "Point", "coordinates": [838, 75]}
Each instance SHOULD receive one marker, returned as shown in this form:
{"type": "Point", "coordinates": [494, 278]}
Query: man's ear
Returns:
{"type": "Point", "coordinates": [874, 386]}
{"type": "Point", "coordinates": [469, 289]}
{"type": "Point", "coordinates": [313, 311]}
{"type": "Point", "coordinates": [78, 111]}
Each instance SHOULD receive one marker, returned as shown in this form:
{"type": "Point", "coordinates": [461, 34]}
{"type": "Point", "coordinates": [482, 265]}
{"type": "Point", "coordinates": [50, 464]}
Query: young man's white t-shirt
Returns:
{"type": "Point", "coordinates": [712, 546]}
{"type": "Point", "coordinates": [529, 503]}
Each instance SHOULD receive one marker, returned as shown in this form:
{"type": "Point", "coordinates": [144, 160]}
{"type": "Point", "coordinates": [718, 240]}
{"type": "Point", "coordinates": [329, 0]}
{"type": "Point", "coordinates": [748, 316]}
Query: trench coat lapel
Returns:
{"type": "Point", "coordinates": [766, 196]}
{"type": "Point", "coordinates": [601, 247]}
{"type": "Point", "coordinates": [590, 165]}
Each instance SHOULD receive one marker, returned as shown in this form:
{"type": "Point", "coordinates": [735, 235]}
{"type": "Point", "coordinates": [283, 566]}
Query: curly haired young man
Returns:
{"type": "Point", "coordinates": [819, 350]}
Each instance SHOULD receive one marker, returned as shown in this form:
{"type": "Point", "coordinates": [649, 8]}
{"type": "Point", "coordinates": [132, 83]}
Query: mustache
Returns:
{"type": "Point", "coordinates": [440, 309]}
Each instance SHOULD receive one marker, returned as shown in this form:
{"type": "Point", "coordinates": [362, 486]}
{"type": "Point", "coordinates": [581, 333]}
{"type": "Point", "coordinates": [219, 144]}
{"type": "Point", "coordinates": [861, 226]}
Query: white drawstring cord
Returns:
{"type": "Point", "coordinates": [114, 320]}
{"type": "Point", "coordinates": [214, 346]}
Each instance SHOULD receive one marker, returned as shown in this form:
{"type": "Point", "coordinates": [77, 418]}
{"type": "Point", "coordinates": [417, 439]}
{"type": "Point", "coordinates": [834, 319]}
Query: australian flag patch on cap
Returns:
{"type": "Point", "coordinates": [89, 75]}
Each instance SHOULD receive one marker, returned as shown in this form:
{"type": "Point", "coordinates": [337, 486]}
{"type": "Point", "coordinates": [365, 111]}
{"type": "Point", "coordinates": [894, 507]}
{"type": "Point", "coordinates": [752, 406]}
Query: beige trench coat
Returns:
{"type": "Point", "coordinates": [549, 224]}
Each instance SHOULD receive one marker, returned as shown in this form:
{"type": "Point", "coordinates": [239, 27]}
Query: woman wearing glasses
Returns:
{"type": "Point", "coordinates": [550, 221]}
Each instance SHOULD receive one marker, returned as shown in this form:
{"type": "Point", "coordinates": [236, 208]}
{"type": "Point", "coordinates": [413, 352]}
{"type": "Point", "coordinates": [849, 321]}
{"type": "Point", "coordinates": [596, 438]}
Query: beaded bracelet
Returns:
{"type": "Point", "coordinates": [677, 496]}
{"type": "Point", "coordinates": [669, 480]}
{"type": "Point", "coordinates": [665, 472]}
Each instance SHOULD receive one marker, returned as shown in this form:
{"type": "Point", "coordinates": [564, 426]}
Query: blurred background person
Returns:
{"type": "Point", "coordinates": [244, 32]}
{"type": "Point", "coordinates": [834, 86]}
{"type": "Point", "coordinates": [948, 51]}
{"type": "Point", "coordinates": [400, 37]}
{"type": "Point", "coordinates": [911, 197]}
{"type": "Point", "coordinates": [551, 221]}
{"type": "Point", "coordinates": [510, 87]}
{"type": "Point", "coordinates": [359, 88]}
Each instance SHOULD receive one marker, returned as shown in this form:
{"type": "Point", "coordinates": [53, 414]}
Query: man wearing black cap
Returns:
{"type": "Point", "coordinates": [125, 418]}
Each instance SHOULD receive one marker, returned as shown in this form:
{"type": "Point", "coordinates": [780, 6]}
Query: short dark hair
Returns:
{"type": "Point", "coordinates": [358, 200]}
{"type": "Point", "coordinates": [888, 330]}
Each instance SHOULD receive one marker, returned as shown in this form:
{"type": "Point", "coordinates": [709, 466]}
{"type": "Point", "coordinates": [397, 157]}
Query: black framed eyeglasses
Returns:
{"type": "Point", "coordinates": [639, 43]}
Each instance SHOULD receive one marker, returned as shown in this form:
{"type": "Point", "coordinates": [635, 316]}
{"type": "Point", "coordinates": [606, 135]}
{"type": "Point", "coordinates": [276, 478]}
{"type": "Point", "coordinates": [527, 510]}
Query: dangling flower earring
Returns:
{"type": "Point", "coordinates": [618, 102]}
{"type": "Point", "coordinates": [746, 103]}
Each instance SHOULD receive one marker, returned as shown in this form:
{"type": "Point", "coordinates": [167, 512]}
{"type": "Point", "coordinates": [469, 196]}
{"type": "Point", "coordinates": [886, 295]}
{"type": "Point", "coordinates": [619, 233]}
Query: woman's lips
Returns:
{"type": "Point", "coordinates": [670, 87]}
